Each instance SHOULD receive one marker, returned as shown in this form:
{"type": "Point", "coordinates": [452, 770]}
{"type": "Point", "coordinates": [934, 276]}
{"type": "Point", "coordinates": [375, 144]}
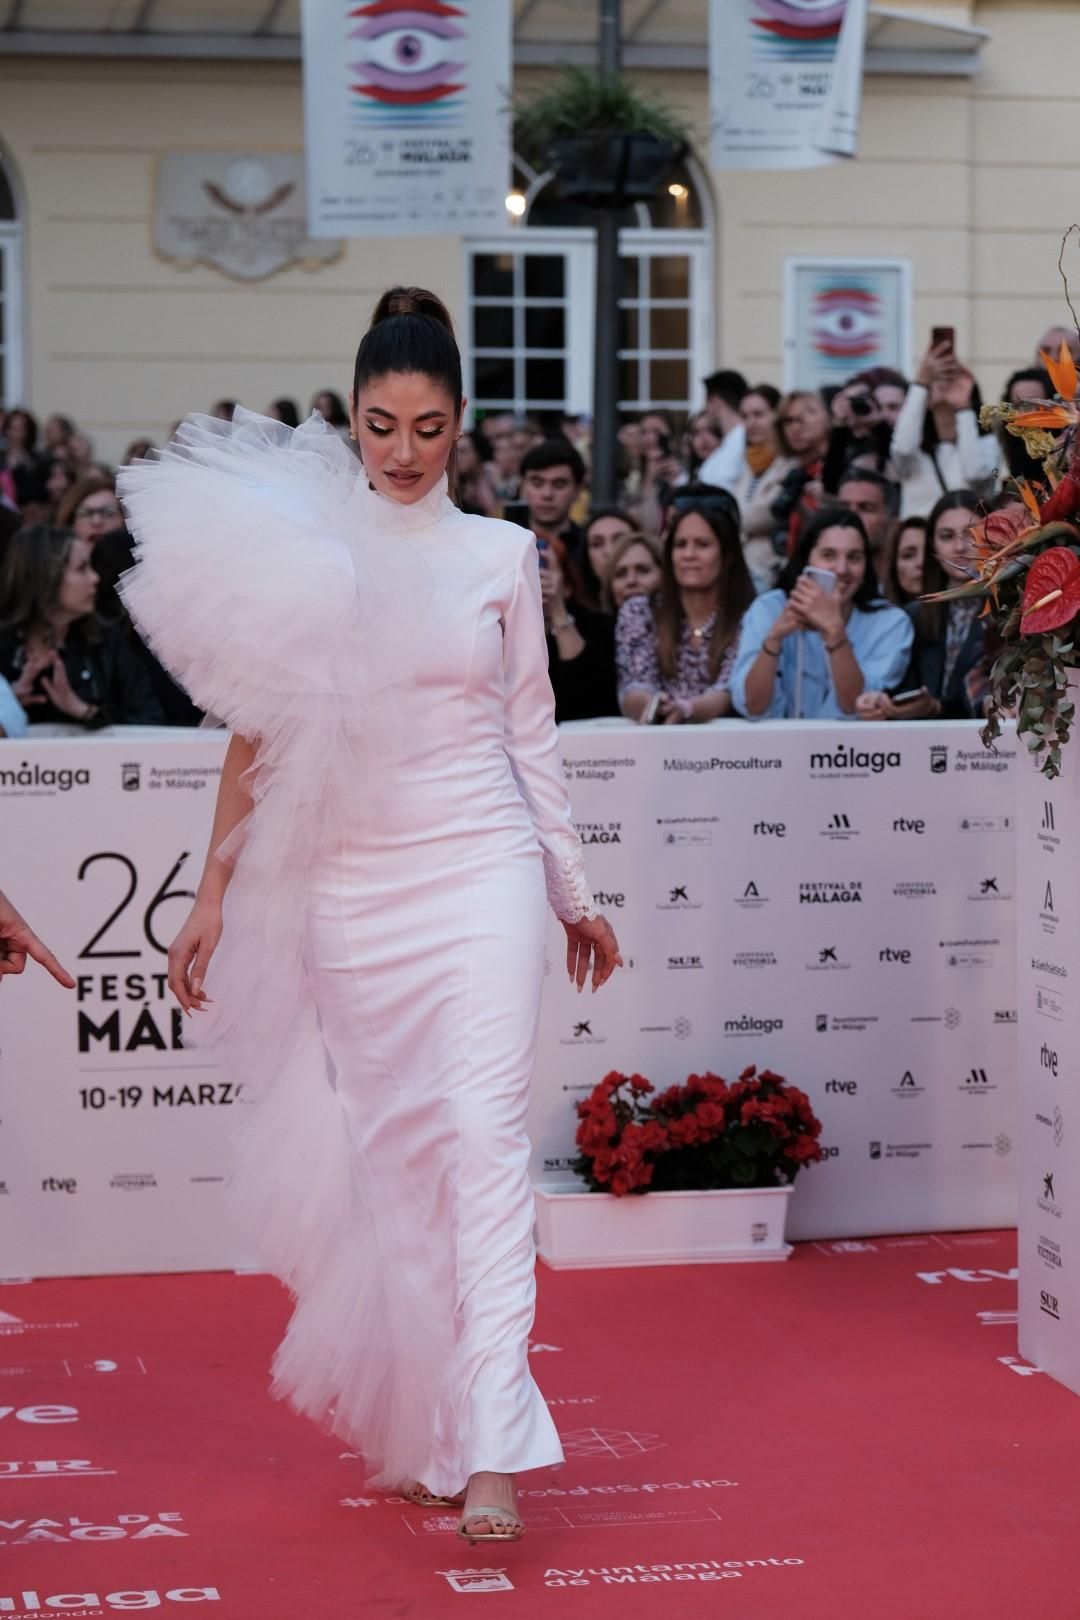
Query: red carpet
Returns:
{"type": "Point", "coordinates": [835, 1437]}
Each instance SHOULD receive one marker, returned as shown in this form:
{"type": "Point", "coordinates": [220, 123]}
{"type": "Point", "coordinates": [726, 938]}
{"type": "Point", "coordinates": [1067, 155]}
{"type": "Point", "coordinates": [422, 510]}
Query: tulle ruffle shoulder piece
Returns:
{"type": "Point", "coordinates": [255, 561]}
{"type": "Point", "coordinates": [286, 597]}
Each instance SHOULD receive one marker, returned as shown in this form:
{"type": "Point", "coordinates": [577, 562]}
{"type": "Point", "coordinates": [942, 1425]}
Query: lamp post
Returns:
{"type": "Point", "coordinates": [606, 302]}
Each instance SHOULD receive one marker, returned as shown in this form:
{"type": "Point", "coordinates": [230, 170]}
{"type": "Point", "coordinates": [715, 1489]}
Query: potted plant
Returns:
{"type": "Point", "coordinates": [608, 143]}
{"type": "Point", "coordinates": [717, 1160]}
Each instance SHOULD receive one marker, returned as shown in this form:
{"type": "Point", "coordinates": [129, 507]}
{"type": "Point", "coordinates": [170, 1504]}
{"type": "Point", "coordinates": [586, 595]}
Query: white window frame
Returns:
{"type": "Point", "coordinates": [579, 246]}
{"type": "Point", "coordinates": [12, 348]}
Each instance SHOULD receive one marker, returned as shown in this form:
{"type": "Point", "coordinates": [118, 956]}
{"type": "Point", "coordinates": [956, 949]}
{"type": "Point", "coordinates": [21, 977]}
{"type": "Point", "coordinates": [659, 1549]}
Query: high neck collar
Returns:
{"type": "Point", "coordinates": [402, 517]}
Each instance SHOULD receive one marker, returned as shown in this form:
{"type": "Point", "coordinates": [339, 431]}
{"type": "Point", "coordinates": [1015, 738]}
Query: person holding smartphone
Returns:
{"type": "Point", "coordinates": [808, 649]}
{"type": "Point", "coordinates": [580, 638]}
{"type": "Point", "coordinates": [936, 443]}
{"type": "Point", "coordinates": [946, 676]}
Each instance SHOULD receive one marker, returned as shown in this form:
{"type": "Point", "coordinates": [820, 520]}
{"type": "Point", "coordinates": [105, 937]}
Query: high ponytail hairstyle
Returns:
{"type": "Point", "coordinates": [411, 330]}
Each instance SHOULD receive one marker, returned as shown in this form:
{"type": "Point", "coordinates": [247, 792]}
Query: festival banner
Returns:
{"type": "Point", "coordinates": [785, 80]}
{"type": "Point", "coordinates": [406, 116]}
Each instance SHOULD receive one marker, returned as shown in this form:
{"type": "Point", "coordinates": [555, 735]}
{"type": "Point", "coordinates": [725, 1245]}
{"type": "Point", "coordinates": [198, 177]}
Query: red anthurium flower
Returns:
{"type": "Point", "coordinates": [1051, 591]}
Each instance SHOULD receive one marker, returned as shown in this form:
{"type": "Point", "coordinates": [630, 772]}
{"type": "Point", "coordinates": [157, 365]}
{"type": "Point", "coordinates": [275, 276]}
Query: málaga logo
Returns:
{"type": "Point", "coordinates": [599, 832]}
{"type": "Point", "coordinates": [41, 779]}
{"type": "Point", "coordinates": [845, 761]}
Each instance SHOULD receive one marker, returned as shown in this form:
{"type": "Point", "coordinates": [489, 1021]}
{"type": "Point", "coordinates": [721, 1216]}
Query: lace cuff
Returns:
{"type": "Point", "coordinates": [568, 890]}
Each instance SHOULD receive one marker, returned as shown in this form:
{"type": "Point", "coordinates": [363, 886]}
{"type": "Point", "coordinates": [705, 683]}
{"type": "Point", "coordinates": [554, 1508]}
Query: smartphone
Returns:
{"type": "Point", "coordinates": [909, 696]}
{"type": "Point", "coordinates": [517, 512]}
{"type": "Point", "coordinates": [942, 337]}
{"type": "Point", "coordinates": [823, 577]}
{"type": "Point", "coordinates": [663, 443]}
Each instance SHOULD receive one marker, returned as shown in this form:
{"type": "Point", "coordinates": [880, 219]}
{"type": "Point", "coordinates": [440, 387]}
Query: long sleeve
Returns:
{"type": "Point", "coordinates": [636, 665]}
{"type": "Point", "coordinates": [532, 743]}
{"type": "Point", "coordinates": [908, 430]}
{"type": "Point", "coordinates": [758, 620]}
{"type": "Point", "coordinates": [979, 453]}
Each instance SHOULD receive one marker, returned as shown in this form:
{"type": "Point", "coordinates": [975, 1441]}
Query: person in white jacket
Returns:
{"type": "Point", "coordinates": [936, 443]}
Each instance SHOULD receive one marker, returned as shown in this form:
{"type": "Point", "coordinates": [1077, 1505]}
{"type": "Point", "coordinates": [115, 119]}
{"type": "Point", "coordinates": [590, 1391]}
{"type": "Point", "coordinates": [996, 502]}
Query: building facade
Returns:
{"type": "Point", "coordinates": [963, 172]}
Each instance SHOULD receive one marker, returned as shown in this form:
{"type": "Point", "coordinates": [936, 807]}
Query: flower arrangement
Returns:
{"type": "Point", "coordinates": [754, 1132]}
{"type": "Point", "coordinates": [1028, 569]}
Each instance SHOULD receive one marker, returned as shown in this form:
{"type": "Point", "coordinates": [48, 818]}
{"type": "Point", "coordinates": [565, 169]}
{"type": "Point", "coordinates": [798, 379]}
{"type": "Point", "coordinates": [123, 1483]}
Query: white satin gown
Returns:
{"type": "Point", "coordinates": [377, 988]}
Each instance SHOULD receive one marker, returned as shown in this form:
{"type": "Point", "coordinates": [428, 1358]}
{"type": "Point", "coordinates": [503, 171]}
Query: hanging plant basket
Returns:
{"type": "Point", "coordinates": [610, 168]}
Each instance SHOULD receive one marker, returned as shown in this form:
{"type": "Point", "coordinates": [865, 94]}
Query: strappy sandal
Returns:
{"type": "Point", "coordinates": [420, 1496]}
{"type": "Point", "coordinates": [515, 1533]}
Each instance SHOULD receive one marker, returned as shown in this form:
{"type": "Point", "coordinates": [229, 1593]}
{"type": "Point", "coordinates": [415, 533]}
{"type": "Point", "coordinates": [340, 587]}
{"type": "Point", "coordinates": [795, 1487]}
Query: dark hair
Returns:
{"type": "Point", "coordinates": [1034, 374]}
{"type": "Point", "coordinates": [337, 416]}
{"type": "Point", "coordinates": [410, 330]}
{"type": "Point", "coordinates": [735, 588]}
{"type": "Point", "coordinates": [31, 424]}
{"type": "Point", "coordinates": [553, 453]}
{"type": "Point", "coordinates": [590, 579]}
{"type": "Point", "coordinates": [224, 408]}
{"type": "Point", "coordinates": [1019, 460]}
{"type": "Point", "coordinates": [767, 392]}
{"type": "Point", "coordinates": [834, 517]}
{"type": "Point", "coordinates": [35, 558]}
{"type": "Point", "coordinates": [891, 586]}
{"type": "Point", "coordinates": [882, 377]}
{"type": "Point", "coordinates": [287, 411]}
{"type": "Point", "coordinates": [932, 616]}
{"type": "Point", "coordinates": [730, 386]}
{"type": "Point", "coordinates": [854, 474]}
{"type": "Point", "coordinates": [91, 483]}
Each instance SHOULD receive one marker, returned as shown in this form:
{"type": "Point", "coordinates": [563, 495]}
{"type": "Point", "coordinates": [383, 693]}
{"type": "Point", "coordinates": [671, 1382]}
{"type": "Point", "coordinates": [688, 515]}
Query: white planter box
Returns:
{"type": "Point", "coordinates": [575, 1228]}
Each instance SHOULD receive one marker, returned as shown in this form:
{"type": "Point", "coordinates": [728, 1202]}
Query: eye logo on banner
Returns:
{"type": "Point", "coordinates": [798, 30]}
{"type": "Point", "coordinates": [403, 60]}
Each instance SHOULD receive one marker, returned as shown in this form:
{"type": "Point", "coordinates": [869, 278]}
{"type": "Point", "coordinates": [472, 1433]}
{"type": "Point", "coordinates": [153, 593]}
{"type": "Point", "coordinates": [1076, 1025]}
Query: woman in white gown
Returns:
{"type": "Point", "coordinates": [374, 897]}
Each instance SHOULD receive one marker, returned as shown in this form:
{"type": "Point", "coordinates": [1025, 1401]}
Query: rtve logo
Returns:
{"type": "Point", "coordinates": [1048, 1059]}
{"type": "Point", "coordinates": [56, 1184]}
{"type": "Point", "coordinates": [904, 824]}
{"type": "Point", "coordinates": [843, 1088]}
{"type": "Point", "coordinates": [889, 954]}
{"type": "Point", "coordinates": [770, 829]}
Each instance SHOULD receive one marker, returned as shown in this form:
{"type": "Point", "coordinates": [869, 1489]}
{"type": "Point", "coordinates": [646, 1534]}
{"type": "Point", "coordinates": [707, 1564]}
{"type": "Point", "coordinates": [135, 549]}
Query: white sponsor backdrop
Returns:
{"type": "Point", "coordinates": [406, 123]}
{"type": "Point", "coordinates": [832, 902]}
{"type": "Point", "coordinates": [113, 1140]}
{"type": "Point", "coordinates": [723, 854]}
{"type": "Point", "coordinates": [1048, 940]}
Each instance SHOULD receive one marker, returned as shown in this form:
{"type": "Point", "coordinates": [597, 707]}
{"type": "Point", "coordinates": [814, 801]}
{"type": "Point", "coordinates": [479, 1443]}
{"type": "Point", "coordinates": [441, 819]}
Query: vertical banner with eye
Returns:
{"type": "Point", "coordinates": [406, 121]}
{"type": "Point", "coordinates": [845, 315]}
{"type": "Point", "coordinates": [785, 80]}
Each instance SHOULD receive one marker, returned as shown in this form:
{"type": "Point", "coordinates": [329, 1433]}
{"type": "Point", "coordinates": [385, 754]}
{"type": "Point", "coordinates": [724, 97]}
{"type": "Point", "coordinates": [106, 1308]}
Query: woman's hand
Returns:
{"type": "Point", "coordinates": [788, 623]}
{"type": "Point", "coordinates": [591, 936]}
{"type": "Point", "coordinates": [956, 389]}
{"type": "Point", "coordinates": [59, 691]}
{"type": "Point", "coordinates": [675, 711]}
{"type": "Point", "coordinates": [923, 707]}
{"type": "Point", "coordinates": [190, 953]}
{"type": "Point", "coordinates": [937, 361]}
{"type": "Point", "coordinates": [819, 609]}
{"type": "Point", "coordinates": [37, 659]}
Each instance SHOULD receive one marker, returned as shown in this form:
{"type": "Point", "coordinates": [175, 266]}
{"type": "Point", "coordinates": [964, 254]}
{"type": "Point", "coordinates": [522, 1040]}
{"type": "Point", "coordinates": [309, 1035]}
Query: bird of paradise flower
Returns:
{"type": "Point", "coordinates": [408, 69]}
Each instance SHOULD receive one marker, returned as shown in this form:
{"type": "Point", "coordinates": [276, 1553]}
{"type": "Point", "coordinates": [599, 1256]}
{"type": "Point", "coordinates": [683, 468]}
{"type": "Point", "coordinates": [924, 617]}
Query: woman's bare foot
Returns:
{"type": "Point", "coordinates": [491, 1491]}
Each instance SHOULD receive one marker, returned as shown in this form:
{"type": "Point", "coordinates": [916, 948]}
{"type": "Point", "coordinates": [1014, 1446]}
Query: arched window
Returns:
{"type": "Point", "coordinates": [11, 381]}
{"type": "Point", "coordinates": [530, 291]}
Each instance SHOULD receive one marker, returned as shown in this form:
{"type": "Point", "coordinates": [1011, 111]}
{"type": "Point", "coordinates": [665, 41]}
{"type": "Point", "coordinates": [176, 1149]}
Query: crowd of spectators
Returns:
{"type": "Point", "coordinates": [766, 556]}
